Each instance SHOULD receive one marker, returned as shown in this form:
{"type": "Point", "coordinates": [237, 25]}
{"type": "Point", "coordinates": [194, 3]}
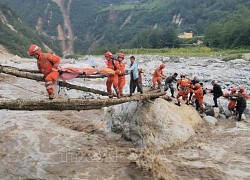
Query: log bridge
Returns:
{"type": "Point", "coordinates": [67, 104]}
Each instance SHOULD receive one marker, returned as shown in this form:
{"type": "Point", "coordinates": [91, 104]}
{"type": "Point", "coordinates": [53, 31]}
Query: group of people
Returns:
{"type": "Point", "coordinates": [191, 91]}
{"type": "Point", "coordinates": [118, 79]}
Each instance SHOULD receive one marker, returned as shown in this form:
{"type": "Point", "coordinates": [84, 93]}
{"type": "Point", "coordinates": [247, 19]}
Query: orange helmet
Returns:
{"type": "Point", "coordinates": [34, 49]}
{"type": "Point", "coordinates": [183, 75]}
{"type": "Point", "coordinates": [233, 90]}
{"type": "Point", "coordinates": [162, 66]}
{"type": "Point", "coordinates": [226, 94]}
{"type": "Point", "coordinates": [197, 85]}
{"type": "Point", "coordinates": [121, 55]}
{"type": "Point", "coordinates": [241, 89]}
{"type": "Point", "coordinates": [108, 54]}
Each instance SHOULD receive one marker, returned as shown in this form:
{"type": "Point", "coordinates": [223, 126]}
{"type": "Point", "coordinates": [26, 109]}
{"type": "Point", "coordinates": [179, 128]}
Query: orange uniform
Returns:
{"type": "Point", "coordinates": [121, 77]}
{"type": "Point", "coordinates": [158, 74]}
{"type": "Point", "coordinates": [48, 65]}
{"type": "Point", "coordinates": [198, 94]}
{"type": "Point", "coordinates": [232, 101]}
{"type": "Point", "coordinates": [184, 84]}
{"type": "Point", "coordinates": [113, 79]}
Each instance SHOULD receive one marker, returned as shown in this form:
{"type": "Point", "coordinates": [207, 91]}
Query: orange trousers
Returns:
{"type": "Point", "coordinates": [121, 83]}
{"type": "Point", "coordinates": [200, 101]}
{"type": "Point", "coordinates": [50, 80]}
{"type": "Point", "coordinates": [112, 80]}
{"type": "Point", "coordinates": [231, 105]}
{"type": "Point", "coordinates": [183, 94]}
{"type": "Point", "coordinates": [156, 79]}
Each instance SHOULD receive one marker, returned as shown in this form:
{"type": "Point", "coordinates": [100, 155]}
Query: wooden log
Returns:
{"type": "Point", "coordinates": [71, 104]}
{"type": "Point", "coordinates": [39, 77]}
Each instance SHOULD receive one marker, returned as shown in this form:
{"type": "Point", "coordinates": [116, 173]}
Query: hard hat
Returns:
{"type": "Point", "coordinates": [241, 89]}
{"type": "Point", "coordinates": [121, 55]}
{"type": "Point", "coordinates": [182, 75]}
{"type": "Point", "coordinates": [34, 49]}
{"type": "Point", "coordinates": [162, 66]}
{"type": "Point", "coordinates": [108, 54]}
{"type": "Point", "coordinates": [233, 90]}
{"type": "Point", "coordinates": [197, 85]}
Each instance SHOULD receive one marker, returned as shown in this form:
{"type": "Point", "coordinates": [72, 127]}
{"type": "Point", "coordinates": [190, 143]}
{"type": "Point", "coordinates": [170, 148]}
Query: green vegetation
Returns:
{"type": "Point", "coordinates": [31, 11]}
{"type": "Point", "coordinates": [234, 32]}
{"type": "Point", "coordinates": [16, 37]}
{"type": "Point", "coordinates": [103, 25]}
{"type": "Point", "coordinates": [194, 51]}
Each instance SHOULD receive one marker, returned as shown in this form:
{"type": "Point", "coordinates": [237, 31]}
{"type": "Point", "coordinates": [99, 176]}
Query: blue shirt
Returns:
{"type": "Point", "coordinates": [134, 69]}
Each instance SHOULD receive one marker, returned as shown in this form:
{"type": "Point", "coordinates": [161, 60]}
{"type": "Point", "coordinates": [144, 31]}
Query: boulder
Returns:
{"type": "Point", "coordinates": [210, 119]}
{"type": "Point", "coordinates": [216, 112]}
{"type": "Point", "coordinates": [227, 113]}
{"type": "Point", "coordinates": [158, 124]}
{"type": "Point", "coordinates": [209, 112]}
{"type": "Point", "coordinates": [222, 116]}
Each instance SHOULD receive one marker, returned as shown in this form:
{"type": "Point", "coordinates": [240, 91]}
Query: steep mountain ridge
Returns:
{"type": "Point", "coordinates": [92, 27]}
{"type": "Point", "coordinates": [16, 36]}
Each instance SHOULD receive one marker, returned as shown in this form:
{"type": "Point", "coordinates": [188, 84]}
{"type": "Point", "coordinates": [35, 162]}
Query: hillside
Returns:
{"type": "Point", "coordinates": [85, 26]}
{"type": "Point", "coordinates": [16, 36]}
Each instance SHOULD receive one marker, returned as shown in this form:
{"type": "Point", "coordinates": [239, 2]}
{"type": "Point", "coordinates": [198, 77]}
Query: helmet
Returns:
{"type": "Point", "coordinates": [241, 89]}
{"type": "Point", "coordinates": [34, 49]}
{"type": "Point", "coordinates": [233, 90]}
{"type": "Point", "coordinates": [226, 94]}
{"type": "Point", "coordinates": [183, 75]}
{"type": "Point", "coordinates": [121, 55]}
{"type": "Point", "coordinates": [108, 54]}
{"type": "Point", "coordinates": [197, 85]}
{"type": "Point", "coordinates": [162, 66]}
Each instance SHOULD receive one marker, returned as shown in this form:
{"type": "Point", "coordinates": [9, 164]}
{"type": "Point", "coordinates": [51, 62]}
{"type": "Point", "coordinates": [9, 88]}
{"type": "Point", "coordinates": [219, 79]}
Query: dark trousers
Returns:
{"type": "Point", "coordinates": [134, 83]}
{"type": "Point", "coordinates": [215, 101]}
{"type": "Point", "coordinates": [169, 85]}
{"type": "Point", "coordinates": [240, 111]}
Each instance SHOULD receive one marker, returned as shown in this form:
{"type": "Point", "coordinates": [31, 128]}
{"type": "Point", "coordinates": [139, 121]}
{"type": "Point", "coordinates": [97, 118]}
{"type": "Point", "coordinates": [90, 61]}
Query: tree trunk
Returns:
{"type": "Point", "coordinates": [39, 77]}
{"type": "Point", "coordinates": [71, 104]}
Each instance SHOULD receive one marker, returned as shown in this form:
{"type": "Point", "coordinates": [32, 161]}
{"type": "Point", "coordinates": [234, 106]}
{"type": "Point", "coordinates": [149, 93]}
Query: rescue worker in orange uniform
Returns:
{"type": "Point", "coordinates": [158, 75]}
{"type": "Point", "coordinates": [243, 92]}
{"type": "Point", "coordinates": [232, 99]}
{"type": "Point", "coordinates": [183, 85]}
{"type": "Point", "coordinates": [121, 76]}
{"type": "Point", "coordinates": [112, 79]}
{"type": "Point", "coordinates": [241, 102]}
{"type": "Point", "coordinates": [48, 66]}
{"type": "Point", "coordinates": [198, 96]}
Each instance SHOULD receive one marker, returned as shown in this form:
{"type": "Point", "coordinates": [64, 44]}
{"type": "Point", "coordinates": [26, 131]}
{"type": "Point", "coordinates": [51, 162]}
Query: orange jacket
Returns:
{"type": "Point", "coordinates": [158, 72]}
{"type": "Point", "coordinates": [245, 95]}
{"type": "Point", "coordinates": [184, 83]}
{"type": "Point", "coordinates": [198, 93]}
{"type": "Point", "coordinates": [115, 66]}
{"type": "Point", "coordinates": [122, 67]}
{"type": "Point", "coordinates": [47, 63]}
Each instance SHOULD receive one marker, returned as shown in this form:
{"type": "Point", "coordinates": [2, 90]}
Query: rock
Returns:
{"type": "Point", "coordinates": [210, 119]}
{"type": "Point", "coordinates": [227, 113]}
{"type": "Point", "coordinates": [222, 116]}
{"type": "Point", "coordinates": [160, 124]}
{"type": "Point", "coordinates": [209, 112]}
{"type": "Point", "coordinates": [216, 112]}
{"type": "Point", "coordinates": [237, 61]}
{"type": "Point", "coordinates": [243, 117]}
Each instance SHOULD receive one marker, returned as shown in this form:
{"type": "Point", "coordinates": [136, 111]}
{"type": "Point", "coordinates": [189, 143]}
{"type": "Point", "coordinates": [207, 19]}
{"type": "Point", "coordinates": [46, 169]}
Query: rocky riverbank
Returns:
{"type": "Point", "coordinates": [139, 140]}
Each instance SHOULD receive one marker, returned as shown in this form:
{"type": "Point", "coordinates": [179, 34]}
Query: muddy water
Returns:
{"type": "Point", "coordinates": [215, 152]}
